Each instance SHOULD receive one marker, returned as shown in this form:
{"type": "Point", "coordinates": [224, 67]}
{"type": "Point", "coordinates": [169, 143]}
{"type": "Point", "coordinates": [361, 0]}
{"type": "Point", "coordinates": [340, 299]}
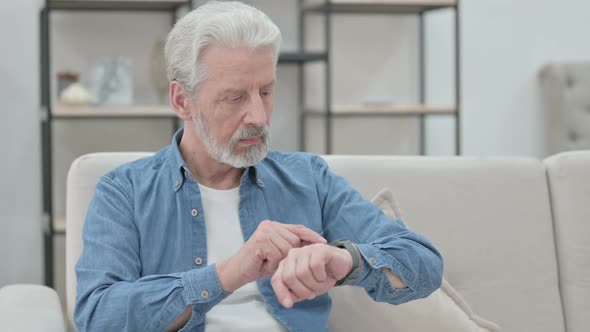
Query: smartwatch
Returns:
{"type": "Point", "coordinates": [356, 261]}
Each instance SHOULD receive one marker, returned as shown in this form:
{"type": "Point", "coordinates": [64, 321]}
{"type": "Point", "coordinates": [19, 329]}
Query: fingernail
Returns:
{"type": "Point", "coordinates": [288, 303]}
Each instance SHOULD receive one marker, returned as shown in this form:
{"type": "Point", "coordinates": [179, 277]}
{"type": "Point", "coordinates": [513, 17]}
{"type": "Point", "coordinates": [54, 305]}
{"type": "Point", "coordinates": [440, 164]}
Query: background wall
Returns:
{"type": "Point", "coordinates": [20, 172]}
{"type": "Point", "coordinates": [504, 44]}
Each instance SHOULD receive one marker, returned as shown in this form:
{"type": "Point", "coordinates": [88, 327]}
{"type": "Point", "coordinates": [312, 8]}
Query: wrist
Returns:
{"type": "Point", "coordinates": [356, 258]}
{"type": "Point", "coordinates": [228, 278]}
{"type": "Point", "coordinates": [348, 256]}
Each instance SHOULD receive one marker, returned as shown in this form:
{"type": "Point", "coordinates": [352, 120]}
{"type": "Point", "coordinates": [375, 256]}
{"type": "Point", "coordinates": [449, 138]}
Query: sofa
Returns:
{"type": "Point", "coordinates": [514, 232]}
{"type": "Point", "coordinates": [565, 103]}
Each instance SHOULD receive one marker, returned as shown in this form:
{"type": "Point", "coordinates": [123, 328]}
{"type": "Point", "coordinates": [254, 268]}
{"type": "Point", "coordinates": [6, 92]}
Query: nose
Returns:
{"type": "Point", "coordinates": [255, 112]}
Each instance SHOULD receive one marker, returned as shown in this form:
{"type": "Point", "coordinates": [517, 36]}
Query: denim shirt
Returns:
{"type": "Point", "coordinates": [145, 243]}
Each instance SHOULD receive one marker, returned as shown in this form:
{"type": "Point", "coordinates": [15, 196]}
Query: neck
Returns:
{"type": "Point", "coordinates": [206, 170]}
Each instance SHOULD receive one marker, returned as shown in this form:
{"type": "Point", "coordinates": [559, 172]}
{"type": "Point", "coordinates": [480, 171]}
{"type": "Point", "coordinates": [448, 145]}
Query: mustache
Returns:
{"type": "Point", "coordinates": [252, 131]}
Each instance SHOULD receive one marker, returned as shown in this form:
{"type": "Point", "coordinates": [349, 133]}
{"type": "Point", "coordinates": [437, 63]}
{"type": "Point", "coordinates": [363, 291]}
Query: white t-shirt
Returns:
{"type": "Point", "coordinates": [244, 309]}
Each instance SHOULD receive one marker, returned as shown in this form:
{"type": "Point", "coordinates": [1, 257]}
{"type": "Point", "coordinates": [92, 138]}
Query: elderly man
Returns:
{"type": "Point", "coordinates": [216, 233]}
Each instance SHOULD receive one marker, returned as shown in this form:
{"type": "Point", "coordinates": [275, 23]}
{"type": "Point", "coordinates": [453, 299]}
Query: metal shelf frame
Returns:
{"type": "Point", "coordinates": [393, 7]}
{"type": "Point", "coordinates": [47, 116]}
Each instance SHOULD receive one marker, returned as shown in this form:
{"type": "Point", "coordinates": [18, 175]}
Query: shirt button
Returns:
{"type": "Point", "coordinates": [198, 261]}
{"type": "Point", "coordinates": [177, 184]}
{"type": "Point", "coordinates": [260, 183]}
{"type": "Point", "coordinates": [204, 294]}
{"type": "Point", "coordinates": [373, 260]}
{"type": "Point", "coordinates": [194, 212]}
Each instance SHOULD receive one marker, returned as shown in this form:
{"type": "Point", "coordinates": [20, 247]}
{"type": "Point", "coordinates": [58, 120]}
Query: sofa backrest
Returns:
{"type": "Point", "coordinates": [82, 178]}
{"type": "Point", "coordinates": [569, 182]}
{"type": "Point", "coordinates": [490, 218]}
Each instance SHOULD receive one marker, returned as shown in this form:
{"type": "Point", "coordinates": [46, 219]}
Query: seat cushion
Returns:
{"type": "Point", "coordinates": [30, 308]}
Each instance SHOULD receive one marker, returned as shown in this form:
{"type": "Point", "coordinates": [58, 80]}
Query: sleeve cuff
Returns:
{"type": "Point", "coordinates": [374, 279]}
{"type": "Point", "coordinates": [202, 290]}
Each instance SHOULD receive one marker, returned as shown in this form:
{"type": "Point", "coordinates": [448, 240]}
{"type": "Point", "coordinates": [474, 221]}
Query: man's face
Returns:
{"type": "Point", "coordinates": [234, 104]}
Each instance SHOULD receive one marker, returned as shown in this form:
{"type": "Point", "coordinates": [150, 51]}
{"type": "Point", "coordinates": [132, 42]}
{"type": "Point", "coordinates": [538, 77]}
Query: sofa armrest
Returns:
{"type": "Point", "coordinates": [30, 308]}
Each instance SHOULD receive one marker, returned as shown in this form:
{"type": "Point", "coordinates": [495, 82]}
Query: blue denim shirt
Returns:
{"type": "Point", "coordinates": [145, 253]}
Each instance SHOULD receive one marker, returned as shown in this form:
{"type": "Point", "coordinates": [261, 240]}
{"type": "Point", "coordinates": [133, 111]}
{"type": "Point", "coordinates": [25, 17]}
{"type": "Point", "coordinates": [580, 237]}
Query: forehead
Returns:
{"type": "Point", "coordinates": [239, 65]}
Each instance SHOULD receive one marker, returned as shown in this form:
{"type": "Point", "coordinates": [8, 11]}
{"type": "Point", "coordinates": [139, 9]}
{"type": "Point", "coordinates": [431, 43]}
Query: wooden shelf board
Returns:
{"type": "Point", "coordinates": [63, 111]}
{"type": "Point", "coordinates": [59, 225]}
{"type": "Point", "coordinates": [384, 110]}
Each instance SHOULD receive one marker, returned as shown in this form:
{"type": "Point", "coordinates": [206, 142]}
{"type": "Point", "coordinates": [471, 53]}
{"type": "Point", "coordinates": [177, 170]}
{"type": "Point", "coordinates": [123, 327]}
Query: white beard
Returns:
{"type": "Point", "coordinates": [250, 157]}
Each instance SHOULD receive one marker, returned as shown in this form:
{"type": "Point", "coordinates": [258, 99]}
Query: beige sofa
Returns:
{"type": "Point", "coordinates": [565, 103]}
{"type": "Point", "coordinates": [514, 231]}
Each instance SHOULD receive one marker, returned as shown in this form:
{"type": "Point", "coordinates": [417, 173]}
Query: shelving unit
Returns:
{"type": "Point", "coordinates": [55, 225]}
{"type": "Point", "coordinates": [327, 8]}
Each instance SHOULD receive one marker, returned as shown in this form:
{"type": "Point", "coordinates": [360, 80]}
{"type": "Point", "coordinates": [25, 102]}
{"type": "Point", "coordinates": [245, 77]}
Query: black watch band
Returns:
{"type": "Point", "coordinates": [356, 261]}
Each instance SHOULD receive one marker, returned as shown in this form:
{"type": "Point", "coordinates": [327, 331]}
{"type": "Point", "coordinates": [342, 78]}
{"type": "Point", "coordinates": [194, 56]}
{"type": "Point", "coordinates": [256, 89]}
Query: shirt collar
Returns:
{"type": "Point", "coordinates": [181, 173]}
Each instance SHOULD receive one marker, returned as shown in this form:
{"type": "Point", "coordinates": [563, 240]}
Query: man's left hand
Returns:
{"type": "Point", "coordinates": [309, 271]}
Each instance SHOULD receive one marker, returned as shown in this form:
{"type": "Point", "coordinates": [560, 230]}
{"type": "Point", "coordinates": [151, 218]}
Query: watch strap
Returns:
{"type": "Point", "coordinates": [356, 261]}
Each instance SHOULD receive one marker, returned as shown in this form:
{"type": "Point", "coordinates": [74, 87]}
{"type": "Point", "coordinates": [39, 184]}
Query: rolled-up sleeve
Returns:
{"type": "Point", "coordinates": [111, 294]}
{"type": "Point", "coordinates": [382, 242]}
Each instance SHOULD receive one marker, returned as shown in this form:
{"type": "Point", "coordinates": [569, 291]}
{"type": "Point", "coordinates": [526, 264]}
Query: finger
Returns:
{"type": "Point", "coordinates": [289, 235]}
{"type": "Point", "coordinates": [305, 275]}
{"type": "Point", "coordinates": [282, 244]}
{"type": "Point", "coordinates": [317, 264]}
{"type": "Point", "coordinates": [306, 234]}
{"type": "Point", "coordinates": [292, 281]}
{"type": "Point", "coordinates": [280, 288]}
{"type": "Point", "coordinates": [272, 258]}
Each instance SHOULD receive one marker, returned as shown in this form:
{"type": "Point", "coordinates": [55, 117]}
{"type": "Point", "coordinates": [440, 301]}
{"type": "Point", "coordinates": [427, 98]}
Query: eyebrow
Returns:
{"type": "Point", "coordinates": [234, 90]}
{"type": "Point", "coordinates": [270, 84]}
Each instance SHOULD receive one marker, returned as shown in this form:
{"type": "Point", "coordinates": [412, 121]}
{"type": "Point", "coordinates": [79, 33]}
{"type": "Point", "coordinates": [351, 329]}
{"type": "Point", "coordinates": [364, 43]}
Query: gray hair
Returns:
{"type": "Point", "coordinates": [229, 24]}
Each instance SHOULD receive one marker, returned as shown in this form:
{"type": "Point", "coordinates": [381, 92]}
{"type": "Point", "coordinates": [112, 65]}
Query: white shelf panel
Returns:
{"type": "Point", "coordinates": [63, 111]}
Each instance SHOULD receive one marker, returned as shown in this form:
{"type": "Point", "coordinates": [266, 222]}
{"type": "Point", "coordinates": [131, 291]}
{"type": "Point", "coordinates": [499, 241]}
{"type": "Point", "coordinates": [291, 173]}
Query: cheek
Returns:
{"type": "Point", "coordinates": [268, 110]}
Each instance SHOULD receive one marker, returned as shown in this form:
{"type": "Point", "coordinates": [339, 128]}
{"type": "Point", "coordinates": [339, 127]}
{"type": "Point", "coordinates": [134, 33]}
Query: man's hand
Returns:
{"type": "Point", "coordinates": [259, 257]}
{"type": "Point", "coordinates": [309, 271]}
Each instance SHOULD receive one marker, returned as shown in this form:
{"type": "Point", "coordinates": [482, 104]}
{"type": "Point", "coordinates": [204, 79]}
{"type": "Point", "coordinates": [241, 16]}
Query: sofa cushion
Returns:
{"type": "Point", "coordinates": [444, 310]}
{"type": "Point", "coordinates": [569, 182]}
{"type": "Point", "coordinates": [491, 220]}
{"type": "Point", "coordinates": [27, 307]}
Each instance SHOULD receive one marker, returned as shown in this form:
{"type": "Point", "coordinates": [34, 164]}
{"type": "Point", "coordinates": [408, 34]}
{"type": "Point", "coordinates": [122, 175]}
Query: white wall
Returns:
{"type": "Point", "coordinates": [505, 43]}
{"type": "Point", "coordinates": [20, 171]}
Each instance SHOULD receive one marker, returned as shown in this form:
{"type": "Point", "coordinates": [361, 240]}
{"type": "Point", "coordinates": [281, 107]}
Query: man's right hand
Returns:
{"type": "Point", "coordinates": [260, 256]}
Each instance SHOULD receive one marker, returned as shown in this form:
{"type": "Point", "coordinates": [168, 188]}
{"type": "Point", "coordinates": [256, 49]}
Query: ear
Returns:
{"type": "Point", "coordinates": [180, 100]}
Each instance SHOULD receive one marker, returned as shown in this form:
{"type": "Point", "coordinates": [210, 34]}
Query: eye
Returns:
{"type": "Point", "coordinates": [266, 93]}
{"type": "Point", "coordinates": [234, 99]}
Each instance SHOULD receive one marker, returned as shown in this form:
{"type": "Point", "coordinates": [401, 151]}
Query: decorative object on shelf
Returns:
{"type": "Point", "coordinates": [158, 71]}
{"type": "Point", "coordinates": [112, 81]}
{"type": "Point", "coordinates": [65, 79]}
{"type": "Point", "coordinates": [76, 95]}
